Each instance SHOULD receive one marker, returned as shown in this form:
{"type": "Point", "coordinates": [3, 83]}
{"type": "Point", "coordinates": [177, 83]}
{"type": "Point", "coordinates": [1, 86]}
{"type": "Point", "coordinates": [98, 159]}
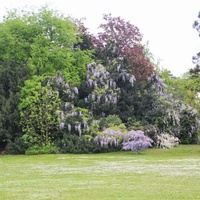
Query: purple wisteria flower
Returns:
{"type": "Point", "coordinates": [137, 141]}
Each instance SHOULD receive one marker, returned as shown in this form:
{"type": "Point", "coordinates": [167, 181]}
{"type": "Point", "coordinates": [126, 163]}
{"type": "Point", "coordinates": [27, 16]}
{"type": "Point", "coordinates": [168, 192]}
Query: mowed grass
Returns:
{"type": "Point", "coordinates": [154, 174]}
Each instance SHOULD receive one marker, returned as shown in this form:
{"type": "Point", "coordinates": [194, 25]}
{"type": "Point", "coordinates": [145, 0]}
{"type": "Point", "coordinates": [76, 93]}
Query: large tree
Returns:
{"type": "Point", "coordinates": [121, 41]}
{"type": "Point", "coordinates": [35, 44]}
{"type": "Point", "coordinates": [45, 41]}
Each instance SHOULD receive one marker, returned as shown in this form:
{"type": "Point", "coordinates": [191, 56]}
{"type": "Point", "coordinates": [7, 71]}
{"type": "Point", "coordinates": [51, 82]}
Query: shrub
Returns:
{"type": "Point", "coordinates": [111, 120]}
{"type": "Point", "coordinates": [137, 141]}
{"type": "Point", "coordinates": [133, 124]}
{"type": "Point", "coordinates": [42, 149]}
{"type": "Point", "coordinates": [16, 147]}
{"type": "Point", "coordinates": [189, 126]}
{"type": "Point", "coordinates": [112, 137]}
{"type": "Point", "coordinates": [164, 140]}
{"type": "Point", "coordinates": [151, 131]}
{"type": "Point", "coordinates": [76, 144]}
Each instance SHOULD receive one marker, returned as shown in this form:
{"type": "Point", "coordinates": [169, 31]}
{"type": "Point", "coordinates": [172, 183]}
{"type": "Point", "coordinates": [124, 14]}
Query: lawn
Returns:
{"type": "Point", "coordinates": [154, 174]}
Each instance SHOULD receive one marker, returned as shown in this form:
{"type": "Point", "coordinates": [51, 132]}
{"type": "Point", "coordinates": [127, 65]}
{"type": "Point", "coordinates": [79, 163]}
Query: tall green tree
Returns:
{"type": "Point", "coordinates": [12, 77]}
{"type": "Point", "coordinates": [45, 41]}
{"type": "Point", "coordinates": [38, 107]}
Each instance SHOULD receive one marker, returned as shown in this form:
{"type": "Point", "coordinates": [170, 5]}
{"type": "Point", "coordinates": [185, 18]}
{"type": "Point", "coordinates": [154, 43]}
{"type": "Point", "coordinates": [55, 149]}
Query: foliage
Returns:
{"type": "Point", "coordinates": [167, 111]}
{"type": "Point", "coordinates": [151, 131]}
{"type": "Point", "coordinates": [196, 59]}
{"type": "Point", "coordinates": [64, 90]}
{"type": "Point", "coordinates": [137, 141]}
{"type": "Point", "coordinates": [106, 90]}
{"type": "Point", "coordinates": [75, 144]}
{"type": "Point", "coordinates": [185, 88]}
{"type": "Point", "coordinates": [132, 123]}
{"type": "Point", "coordinates": [18, 146]}
{"type": "Point", "coordinates": [73, 119]}
{"type": "Point", "coordinates": [168, 77]}
{"type": "Point", "coordinates": [189, 126]}
{"type": "Point", "coordinates": [164, 140]}
{"type": "Point", "coordinates": [121, 40]}
{"type": "Point", "coordinates": [110, 120]}
{"type": "Point", "coordinates": [12, 77]}
{"type": "Point", "coordinates": [103, 90]}
{"type": "Point", "coordinates": [111, 137]}
{"type": "Point", "coordinates": [37, 109]}
{"type": "Point", "coordinates": [44, 41]}
{"type": "Point", "coordinates": [42, 149]}
{"type": "Point", "coordinates": [34, 43]}
{"type": "Point", "coordinates": [184, 91]}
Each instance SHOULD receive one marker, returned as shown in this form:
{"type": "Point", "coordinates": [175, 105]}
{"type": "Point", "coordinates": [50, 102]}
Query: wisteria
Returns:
{"type": "Point", "coordinates": [158, 83]}
{"type": "Point", "coordinates": [71, 118]}
{"type": "Point", "coordinates": [60, 85]}
{"type": "Point", "coordinates": [97, 75]}
{"type": "Point", "coordinates": [132, 140]}
{"type": "Point", "coordinates": [69, 128]}
{"type": "Point", "coordinates": [137, 141]}
{"type": "Point", "coordinates": [75, 119]}
{"type": "Point", "coordinates": [62, 124]}
{"type": "Point", "coordinates": [172, 109]}
{"type": "Point", "coordinates": [108, 138]}
{"type": "Point", "coordinates": [105, 89]}
{"type": "Point", "coordinates": [125, 76]}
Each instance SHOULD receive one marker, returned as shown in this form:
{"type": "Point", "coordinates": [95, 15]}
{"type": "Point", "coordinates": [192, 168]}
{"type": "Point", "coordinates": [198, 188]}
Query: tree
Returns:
{"type": "Point", "coordinates": [118, 48]}
{"type": "Point", "coordinates": [69, 103]}
{"type": "Point", "coordinates": [35, 44]}
{"type": "Point", "coordinates": [189, 125]}
{"type": "Point", "coordinates": [12, 77]}
{"type": "Point", "coordinates": [172, 112]}
{"type": "Point", "coordinates": [45, 41]}
{"type": "Point", "coordinates": [187, 89]}
{"type": "Point", "coordinates": [196, 58]}
{"type": "Point", "coordinates": [103, 89]}
{"type": "Point", "coordinates": [38, 108]}
{"type": "Point", "coordinates": [122, 40]}
{"type": "Point", "coordinates": [54, 48]}
{"type": "Point", "coordinates": [137, 141]}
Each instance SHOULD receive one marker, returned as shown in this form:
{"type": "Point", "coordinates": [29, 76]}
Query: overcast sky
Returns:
{"type": "Point", "coordinates": [166, 24]}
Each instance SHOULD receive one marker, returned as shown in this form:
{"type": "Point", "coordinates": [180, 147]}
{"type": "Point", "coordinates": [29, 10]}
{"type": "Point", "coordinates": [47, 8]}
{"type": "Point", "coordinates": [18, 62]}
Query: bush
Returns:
{"type": "Point", "coordinates": [43, 149]}
{"type": "Point", "coordinates": [151, 131]}
{"type": "Point", "coordinates": [76, 144]}
{"type": "Point", "coordinates": [111, 138]}
{"type": "Point", "coordinates": [137, 141]}
{"type": "Point", "coordinates": [110, 120]}
{"type": "Point", "coordinates": [164, 140]}
{"type": "Point", "coordinates": [133, 124]}
{"type": "Point", "coordinates": [189, 126]}
{"type": "Point", "coordinates": [16, 147]}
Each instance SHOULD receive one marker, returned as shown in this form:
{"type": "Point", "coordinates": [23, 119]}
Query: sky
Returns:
{"type": "Point", "coordinates": [165, 24]}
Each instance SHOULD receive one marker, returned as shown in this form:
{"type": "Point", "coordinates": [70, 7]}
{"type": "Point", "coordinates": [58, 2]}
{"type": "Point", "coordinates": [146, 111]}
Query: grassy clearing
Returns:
{"type": "Point", "coordinates": [154, 174]}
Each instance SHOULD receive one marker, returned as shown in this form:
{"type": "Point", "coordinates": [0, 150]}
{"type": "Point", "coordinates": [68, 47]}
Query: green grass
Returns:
{"type": "Point", "coordinates": [154, 174]}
